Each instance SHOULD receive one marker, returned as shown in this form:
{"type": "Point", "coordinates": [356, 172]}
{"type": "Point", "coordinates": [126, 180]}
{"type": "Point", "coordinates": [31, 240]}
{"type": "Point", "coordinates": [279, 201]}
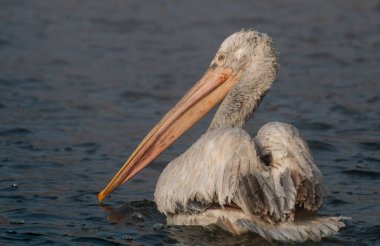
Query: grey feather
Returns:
{"type": "Point", "coordinates": [313, 228]}
{"type": "Point", "coordinates": [290, 151]}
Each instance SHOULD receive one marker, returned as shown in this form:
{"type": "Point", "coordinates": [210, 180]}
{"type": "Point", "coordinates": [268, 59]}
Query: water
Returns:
{"type": "Point", "coordinates": [82, 82]}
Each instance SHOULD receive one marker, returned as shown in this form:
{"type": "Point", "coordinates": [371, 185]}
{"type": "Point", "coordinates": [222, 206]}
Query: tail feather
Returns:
{"type": "Point", "coordinates": [313, 228]}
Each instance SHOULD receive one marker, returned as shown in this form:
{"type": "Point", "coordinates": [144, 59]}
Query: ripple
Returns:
{"type": "Point", "coordinates": [320, 55]}
{"type": "Point", "coordinates": [361, 60]}
{"type": "Point", "coordinates": [87, 148]}
{"type": "Point", "coordinates": [372, 160]}
{"type": "Point", "coordinates": [244, 21]}
{"type": "Point", "coordinates": [315, 125]}
{"type": "Point", "coordinates": [118, 26]}
{"type": "Point", "coordinates": [87, 145]}
{"type": "Point", "coordinates": [309, 39]}
{"type": "Point", "coordinates": [4, 43]}
{"type": "Point", "coordinates": [45, 197]}
{"type": "Point", "coordinates": [337, 202]}
{"type": "Point", "coordinates": [138, 95]}
{"type": "Point", "coordinates": [59, 62]}
{"type": "Point", "coordinates": [17, 222]}
{"type": "Point", "coordinates": [363, 173]}
{"type": "Point", "coordinates": [34, 165]}
{"type": "Point", "coordinates": [15, 131]}
{"type": "Point", "coordinates": [17, 237]}
{"type": "Point", "coordinates": [316, 145]}
{"type": "Point", "coordinates": [133, 212]}
{"type": "Point", "coordinates": [84, 107]}
{"type": "Point", "coordinates": [344, 110]}
{"type": "Point", "coordinates": [372, 146]}
{"type": "Point", "coordinates": [374, 99]}
{"type": "Point", "coordinates": [94, 241]}
{"type": "Point", "coordinates": [7, 82]}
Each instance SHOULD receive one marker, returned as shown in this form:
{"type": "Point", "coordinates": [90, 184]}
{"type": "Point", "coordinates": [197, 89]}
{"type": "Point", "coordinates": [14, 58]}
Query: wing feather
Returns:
{"type": "Point", "coordinates": [300, 178]}
{"type": "Point", "coordinates": [225, 167]}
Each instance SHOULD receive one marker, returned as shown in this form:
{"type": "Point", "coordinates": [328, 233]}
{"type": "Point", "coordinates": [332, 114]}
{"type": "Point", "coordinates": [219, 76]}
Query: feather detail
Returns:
{"type": "Point", "coordinates": [225, 167]}
{"type": "Point", "coordinates": [307, 227]}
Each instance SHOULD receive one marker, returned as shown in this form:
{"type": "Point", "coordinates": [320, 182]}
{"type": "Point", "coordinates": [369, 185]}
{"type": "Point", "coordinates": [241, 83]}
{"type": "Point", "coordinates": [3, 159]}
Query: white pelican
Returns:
{"type": "Point", "coordinates": [268, 184]}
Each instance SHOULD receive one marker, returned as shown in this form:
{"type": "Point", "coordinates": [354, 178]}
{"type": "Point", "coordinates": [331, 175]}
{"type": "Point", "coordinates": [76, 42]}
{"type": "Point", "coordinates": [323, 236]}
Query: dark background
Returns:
{"type": "Point", "coordinates": [82, 82]}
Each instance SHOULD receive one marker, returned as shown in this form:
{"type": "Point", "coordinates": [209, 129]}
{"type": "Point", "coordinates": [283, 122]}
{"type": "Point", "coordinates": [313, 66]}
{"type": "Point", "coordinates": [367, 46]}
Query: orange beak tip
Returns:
{"type": "Point", "coordinates": [101, 197]}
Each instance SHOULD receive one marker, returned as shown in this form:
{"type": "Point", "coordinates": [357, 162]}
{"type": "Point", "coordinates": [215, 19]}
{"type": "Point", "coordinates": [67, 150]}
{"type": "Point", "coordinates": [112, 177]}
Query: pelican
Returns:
{"type": "Point", "coordinates": [268, 184]}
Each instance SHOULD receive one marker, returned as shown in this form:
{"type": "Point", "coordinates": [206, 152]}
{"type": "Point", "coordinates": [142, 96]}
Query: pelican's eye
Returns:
{"type": "Point", "coordinates": [220, 59]}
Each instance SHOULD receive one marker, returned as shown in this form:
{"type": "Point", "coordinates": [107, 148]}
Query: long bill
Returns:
{"type": "Point", "coordinates": [197, 102]}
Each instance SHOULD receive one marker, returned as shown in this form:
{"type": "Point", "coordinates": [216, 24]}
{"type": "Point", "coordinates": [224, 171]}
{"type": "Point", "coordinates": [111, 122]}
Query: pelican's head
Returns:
{"type": "Point", "coordinates": [253, 54]}
{"type": "Point", "coordinates": [240, 58]}
{"type": "Point", "coordinates": [245, 50]}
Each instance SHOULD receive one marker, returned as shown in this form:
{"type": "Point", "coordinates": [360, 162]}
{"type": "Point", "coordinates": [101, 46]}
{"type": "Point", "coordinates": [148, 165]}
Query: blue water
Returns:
{"type": "Point", "coordinates": [82, 82]}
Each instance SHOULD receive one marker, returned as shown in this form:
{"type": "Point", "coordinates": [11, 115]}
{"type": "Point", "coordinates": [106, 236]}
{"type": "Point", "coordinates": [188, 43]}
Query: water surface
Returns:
{"type": "Point", "coordinates": [82, 82]}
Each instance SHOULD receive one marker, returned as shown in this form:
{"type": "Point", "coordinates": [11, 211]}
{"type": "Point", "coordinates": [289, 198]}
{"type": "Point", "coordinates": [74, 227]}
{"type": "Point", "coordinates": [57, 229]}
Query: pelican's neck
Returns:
{"type": "Point", "coordinates": [245, 97]}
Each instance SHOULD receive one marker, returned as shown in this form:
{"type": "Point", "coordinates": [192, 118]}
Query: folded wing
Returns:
{"type": "Point", "coordinates": [271, 175]}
